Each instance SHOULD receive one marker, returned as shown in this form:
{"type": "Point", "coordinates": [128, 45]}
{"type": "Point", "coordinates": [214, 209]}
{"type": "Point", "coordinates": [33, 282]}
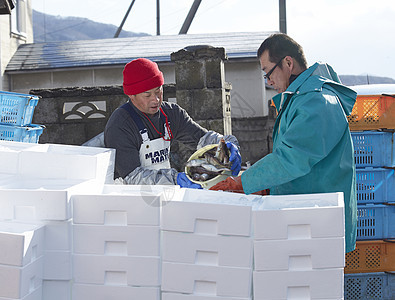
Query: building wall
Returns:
{"type": "Point", "coordinates": [14, 31]}
{"type": "Point", "coordinates": [249, 97]}
{"type": "Point", "coordinates": [248, 94]}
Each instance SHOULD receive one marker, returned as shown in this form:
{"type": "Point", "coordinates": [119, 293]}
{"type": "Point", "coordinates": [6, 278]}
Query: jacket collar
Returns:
{"type": "Point", "coordinates": [318, 75]}
{"type": "Point", "coordinates": [293, 87]}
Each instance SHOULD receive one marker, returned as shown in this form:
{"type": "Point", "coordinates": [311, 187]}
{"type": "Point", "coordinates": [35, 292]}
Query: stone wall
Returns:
{"type": "Point", "coordinates": [73, 116]}
{"type": "Point", "coordinates": [254, 136]}
{"type": "Point", "coordinates": [201, 87]}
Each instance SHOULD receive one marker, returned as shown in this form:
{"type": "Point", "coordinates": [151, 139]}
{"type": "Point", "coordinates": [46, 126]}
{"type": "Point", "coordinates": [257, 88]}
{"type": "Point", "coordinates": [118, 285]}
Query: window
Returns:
{"type": "Point", "coordinates": [18, 18]}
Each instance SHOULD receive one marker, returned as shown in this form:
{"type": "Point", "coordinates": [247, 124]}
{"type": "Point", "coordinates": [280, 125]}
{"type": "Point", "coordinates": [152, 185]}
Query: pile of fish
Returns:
{"type": "Point", "coordinates": [210, 164]}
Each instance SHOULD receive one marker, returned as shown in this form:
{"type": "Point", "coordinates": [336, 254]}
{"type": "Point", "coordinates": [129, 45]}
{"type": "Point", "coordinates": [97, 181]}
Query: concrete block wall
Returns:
{"type": "Point", "coordinates": [254, 136]}
{"type": "Point", "coordinates": [74, 115]}
{"type": "Point", "coordinates": [201, 87]}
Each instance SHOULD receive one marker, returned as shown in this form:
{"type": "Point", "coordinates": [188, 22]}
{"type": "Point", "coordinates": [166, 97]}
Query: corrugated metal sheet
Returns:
{"type": "Point", "coordinates": [89, 53]}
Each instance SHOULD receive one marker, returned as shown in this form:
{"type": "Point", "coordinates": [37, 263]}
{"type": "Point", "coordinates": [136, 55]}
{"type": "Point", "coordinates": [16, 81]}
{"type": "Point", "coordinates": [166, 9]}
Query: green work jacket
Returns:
{"type": "Point", "coordinates": [312, 145]}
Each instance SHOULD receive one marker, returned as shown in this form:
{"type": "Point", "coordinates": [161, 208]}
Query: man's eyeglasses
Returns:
{"type": "Point", "coordinates": [267, 75]}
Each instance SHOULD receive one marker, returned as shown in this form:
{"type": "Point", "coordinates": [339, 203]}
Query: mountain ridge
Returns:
{"type": "Point", "coordinates": [72, 29]}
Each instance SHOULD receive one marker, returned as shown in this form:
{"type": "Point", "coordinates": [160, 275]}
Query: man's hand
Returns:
{"type": "Point", "coordinates": [230, 184]}
{"type": "Point", "coordinates": [233, 184]}
{"type": "Point", "coordinates": [184, 182]}
{"type": "Point", "coordinates": [235, 158]}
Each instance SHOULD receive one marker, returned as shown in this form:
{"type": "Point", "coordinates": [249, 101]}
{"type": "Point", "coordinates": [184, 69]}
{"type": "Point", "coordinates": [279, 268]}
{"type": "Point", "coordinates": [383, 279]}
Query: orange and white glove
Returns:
{"type": "Point", "coordinates": [233, 184]}
{"type": "Point", "coordinates": [230, 184]}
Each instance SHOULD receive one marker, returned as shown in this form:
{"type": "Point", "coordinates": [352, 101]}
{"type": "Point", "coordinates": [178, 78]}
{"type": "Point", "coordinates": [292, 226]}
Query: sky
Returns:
{"type": "Point", "coordinates": [356, 37]}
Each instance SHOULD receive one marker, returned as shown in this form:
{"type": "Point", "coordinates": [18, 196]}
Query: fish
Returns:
{"type": "Point", "coordinates": [213, 168]}
{"type": "Point", "coordinates": [211, 159]}
{"type": "Point", "coordinates": [196, 176]}
{"type": "Point", "coordinates": [210, 164]}
{"type": "Point", "coordinates": [204, 177]}
{"type": "Point", "coordinates": [203, 170]}
{"type": "Point", "coordinates": [222, 152]}
{"type": "Point", "coordinates": [195, 162]}
{"type": "Point", "coordinates": [199, 173]}
{"type": "Point", "coordinates": [201, 177]}
{"type": "Point", "coordinates": [218, 156]}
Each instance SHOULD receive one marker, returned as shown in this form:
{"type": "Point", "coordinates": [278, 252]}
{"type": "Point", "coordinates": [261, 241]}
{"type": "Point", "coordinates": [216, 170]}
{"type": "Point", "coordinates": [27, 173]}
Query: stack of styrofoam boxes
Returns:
{"type": "Point", "coordinates": [21, 260]}
{"type": "Point", "coordinates": [299, 247]}
{"type": "Point", "coordinates": [207, 248]}
{"type": "Point", "coordinates": [116, 248]}
{"type": "Point", "coordinates": [374, 159]}
{"type": "Point", "coordinates": [36, 184]}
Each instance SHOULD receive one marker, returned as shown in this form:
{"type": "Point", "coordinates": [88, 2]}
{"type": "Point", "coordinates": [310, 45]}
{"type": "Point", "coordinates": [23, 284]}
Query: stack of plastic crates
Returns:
{"type": "Point", "coordinates": [370, 268]}
{"type": "Point", "coordinates": [16, 114]}
{"type": "Point", "coordinates": [371, 112]}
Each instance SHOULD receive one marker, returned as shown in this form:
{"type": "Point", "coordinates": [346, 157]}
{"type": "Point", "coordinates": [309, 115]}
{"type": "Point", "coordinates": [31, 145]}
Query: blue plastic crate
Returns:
{"type": "Point", "coordinates": [26, 134]}
{"type": "Point", "coordinates": [378, 285]}
{"type": "Point", "coordinates": [375, 185]}
{"type": "Point", "coordinates": [373, 149]}
{"type": "Point", "coordinates": [376, 222]}
{"type": "Point", "coordinates": [17, 109]}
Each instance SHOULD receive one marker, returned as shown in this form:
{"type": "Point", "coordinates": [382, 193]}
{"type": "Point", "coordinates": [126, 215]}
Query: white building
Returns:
{"type": "Point", "coordinates": [15, 29]}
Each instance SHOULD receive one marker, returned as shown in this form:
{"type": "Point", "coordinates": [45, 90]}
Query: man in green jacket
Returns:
{"type": "Point", "coordinates": [312, 145]}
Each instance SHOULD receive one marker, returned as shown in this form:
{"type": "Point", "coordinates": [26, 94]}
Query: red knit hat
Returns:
{"type": "Point", "coordinates": [141, 75]}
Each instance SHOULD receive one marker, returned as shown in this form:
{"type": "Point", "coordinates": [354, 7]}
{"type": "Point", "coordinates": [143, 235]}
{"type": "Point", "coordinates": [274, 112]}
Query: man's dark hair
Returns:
{"type": "Point", "coordinates": [280, 45]}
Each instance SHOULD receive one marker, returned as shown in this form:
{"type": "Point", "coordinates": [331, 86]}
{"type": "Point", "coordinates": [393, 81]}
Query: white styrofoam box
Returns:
{"type": "Point", "coordinates": [231, 251]}
{"type": "Point", "coordinates": [56, 289]}
{"type": "Point", "coordinates": [73, 186]}
{"type": "Point", "coordinates": [9, 155]}
{"type": "Point", "coordinates": [208, 212]}
{"type": "Point", "coordinates": [60, 161]}
{"type": "Point", "coordinates": [105, 292]}
{"type": "Point", "coordinates": [116, 270]}
{"type": "Point", "coordinates": [116, 240]}
{"type": "Point", "coordinates": [20, 243]}
{"type": "Point", "coordinates": [313, 284]}
{"type": "Point", "coordinates": [9, 162]}
{"type": "Point", "coordinates": [178, 296]}
{"type": "Point", "coordinates": [114, 209]}
{"type": "Point", "coordinates": [57, 265]}
{"type": "Point", "coordinates": [277, 255]}
{"type": "Point", "coordinates": [170, 192]}
{"type": "Point", "coordinates": [16, 146]}
{"type": "Point", "coordinates": [207, 280]}
{"type": "Point", "coordinates": [68, 162]}
{"type": "Point", "coordinates": [58, 235]}
{"type": "Point", "coordinates": [6, 179]}
{"type": "Point", "coordinates": [34, 205]}
{"type": "Point", "coordinates": [219, 197]}
{"type": "Point", "coordinates": [35, 294]}
{"type": "Point", "coordinates": [18, 282]}
{"type": "Point", "coordinates": [38, 200]}
{"type": "Point", "coordinates": [299, 217]}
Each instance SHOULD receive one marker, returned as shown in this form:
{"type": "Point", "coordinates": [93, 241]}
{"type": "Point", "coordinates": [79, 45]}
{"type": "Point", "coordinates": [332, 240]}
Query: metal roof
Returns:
{"type": "Point", "coordinates": [104, 52]}
{"type": "Point", "coordinates": [374, 89]}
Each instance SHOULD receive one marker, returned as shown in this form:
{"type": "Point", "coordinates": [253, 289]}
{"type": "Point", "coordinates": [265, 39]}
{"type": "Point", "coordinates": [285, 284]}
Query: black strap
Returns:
{"type": "Point", "coordinates": [136, 118]}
